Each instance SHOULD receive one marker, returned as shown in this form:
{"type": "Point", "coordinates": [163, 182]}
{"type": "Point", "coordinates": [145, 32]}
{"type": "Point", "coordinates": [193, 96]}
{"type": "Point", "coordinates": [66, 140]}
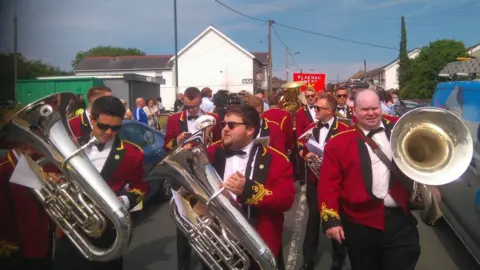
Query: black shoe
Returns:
{"type": "Point", "coordinates": [308, 266]}
{"type": "Point", "coordinates": [337, 265]}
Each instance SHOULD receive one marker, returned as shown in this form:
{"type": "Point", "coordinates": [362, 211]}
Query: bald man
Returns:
{"type": "Point", "coordinates": [139, 114]}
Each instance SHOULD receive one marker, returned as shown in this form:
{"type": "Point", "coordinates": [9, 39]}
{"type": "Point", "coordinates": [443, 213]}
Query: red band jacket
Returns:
{"type": "Point", "coordinates": [25, 225]}
{"type": "Point", "coordinates": [303, 119]}
{"type": "Point", "coordinates": [345, 185]}
{"type": "Point", "coordinates": [268, 192]}
{"type": "Point", "coordinates": [284, 119]}
{"type": "Point", "coordinates": [177, 124]}
{"type": "Point", "coordinates": [273, 131]}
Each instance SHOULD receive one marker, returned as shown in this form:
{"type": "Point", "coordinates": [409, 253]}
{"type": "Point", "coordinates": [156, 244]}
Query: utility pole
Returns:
{"type": "Point", "coordinates": [286, 64]}
{"type": "Point", "coordinates": [176, 45]}
{"type": "Point", "coordinates": [365, 65]}
{"type": "Point", "coordinates": [15, 58]}
{"type": "Point", "coordinates": [270, 68]}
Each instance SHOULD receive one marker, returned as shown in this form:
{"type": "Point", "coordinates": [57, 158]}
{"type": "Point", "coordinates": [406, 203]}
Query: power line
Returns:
{"type": "Point", "coordinates": [306, 31]}
{"type": "Point", "coordinates": [288, 49]}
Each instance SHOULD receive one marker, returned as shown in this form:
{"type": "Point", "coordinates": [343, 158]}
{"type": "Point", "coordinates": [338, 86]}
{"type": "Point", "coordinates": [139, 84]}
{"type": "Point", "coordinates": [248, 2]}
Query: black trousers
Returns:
{"type": "Point", "coordinates": [184, 251]}
{"type": "Point", "coordinates": [20, 263]}
{"type": "Point", "coordinates": [67, 256]}
{"type": "Point", "coordinates": [312, 234]}
{"type": "Point", "coordinates": [397, 247]}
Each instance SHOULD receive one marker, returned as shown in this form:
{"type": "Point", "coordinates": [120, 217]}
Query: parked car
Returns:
{"type": "Point", "coordinates": [459, 199]}
{"type": "Point", "coordinates": [151, 141]}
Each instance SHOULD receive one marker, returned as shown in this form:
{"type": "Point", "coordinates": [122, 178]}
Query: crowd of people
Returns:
{"type": "Point", "coordinates": [357, 201]}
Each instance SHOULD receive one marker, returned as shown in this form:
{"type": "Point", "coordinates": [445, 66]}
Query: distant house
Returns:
{"type": "Point", "coordinates": [357, 75]}
{"type": "Point", "coordinates": [210, 60]}
{"type": "Point", "coordinates": [474, 50]}
{"type": "Point", "coordinates": [387, 76]}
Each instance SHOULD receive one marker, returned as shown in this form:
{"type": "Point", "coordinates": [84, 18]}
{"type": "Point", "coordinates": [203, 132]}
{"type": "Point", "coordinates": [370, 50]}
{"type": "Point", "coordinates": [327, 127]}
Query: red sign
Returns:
{"type": "Point", "coordinates": [315, 80]}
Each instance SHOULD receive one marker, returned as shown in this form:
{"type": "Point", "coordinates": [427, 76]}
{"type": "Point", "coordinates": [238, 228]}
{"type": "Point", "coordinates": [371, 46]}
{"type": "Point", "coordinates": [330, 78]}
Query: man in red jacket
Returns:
{"type": "Point", "coordinates": [306, 114]}
{"type": "Point", "coordinates": [360, 200]}
{"type": "Point", "coordinates": [282, 117]}
{"type": "Point", "coordinates": [25, 236]}
{"type": "Point", "coordinates": [259, 178]}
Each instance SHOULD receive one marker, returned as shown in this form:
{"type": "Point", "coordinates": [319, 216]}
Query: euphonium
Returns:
{"type": "Point", "coordinates": [83, 205]}
{"type": "Point", "coordinates": [312, 163]}
{"type": "Point", "coordinates": [223, 238]}
{"type": "Point", "coordinates": [293, 98]}
{"type": "Point", "coordinates": [432, 147]}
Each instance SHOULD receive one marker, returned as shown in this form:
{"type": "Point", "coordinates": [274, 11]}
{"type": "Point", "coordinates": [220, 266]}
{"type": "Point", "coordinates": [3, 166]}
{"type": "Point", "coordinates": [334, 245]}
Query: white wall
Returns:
{"type": "Point", "coordinates": [214, 62]}
{"type": "Point", "coordinates": [391, 77]}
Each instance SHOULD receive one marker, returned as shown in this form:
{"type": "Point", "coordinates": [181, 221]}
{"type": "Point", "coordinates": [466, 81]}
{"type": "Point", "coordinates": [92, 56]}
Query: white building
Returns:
{"type": "Point", "coordinates": [474, 50]}
{"type": "Point", "coordinates": [210, 60]}
{"type": "Point", "coordinates": [387, 76]}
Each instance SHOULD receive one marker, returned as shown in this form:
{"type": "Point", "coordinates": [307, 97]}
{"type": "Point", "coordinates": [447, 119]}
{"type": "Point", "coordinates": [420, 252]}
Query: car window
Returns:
{"type": "Point", "coordinates": [137, 134]}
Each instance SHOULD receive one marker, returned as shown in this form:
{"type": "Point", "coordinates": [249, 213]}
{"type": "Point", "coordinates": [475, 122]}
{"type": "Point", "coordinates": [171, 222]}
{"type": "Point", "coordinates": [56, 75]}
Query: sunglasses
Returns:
{"type": "Point", "coordinates": [105, 127]}
{"type": "Point", "coordinates": [189, 107]}
{"type": "Point", "coordinates": [231, 125]}
{"type": "Point", "coordinates": [309, 96]}
{"type": "Point", "coordinates": [342, 96]}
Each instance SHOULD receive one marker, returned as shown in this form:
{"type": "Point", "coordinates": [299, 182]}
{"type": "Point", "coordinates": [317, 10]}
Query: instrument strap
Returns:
{"type": "Point", "coordinates": [383, 157]}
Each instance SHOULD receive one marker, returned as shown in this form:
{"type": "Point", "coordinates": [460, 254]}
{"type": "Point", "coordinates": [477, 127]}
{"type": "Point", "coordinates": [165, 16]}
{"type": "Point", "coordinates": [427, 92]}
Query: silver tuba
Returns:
{"type": "Point", "coordinates": [223, 238]}
{"type": "Point", "coordinates": [82, 205]}
{"type": "Point", "coordinates": [312, 163]}
{"type": "Point", "coordinates": [432, 147]}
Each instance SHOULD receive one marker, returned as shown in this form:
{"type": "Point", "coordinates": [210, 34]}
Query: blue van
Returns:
{"type": "Point", "coordinates": [461, 199]}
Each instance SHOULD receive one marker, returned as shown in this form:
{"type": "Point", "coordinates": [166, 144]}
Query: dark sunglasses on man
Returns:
{"type": "Point", "coordinates": [231, 124]}
{"type": "Point", "coordinates": [106, 127]}
{"type": "Point", "coordinates": [342, 96]}
{"type": "Point", "coordinates": [189, 107]}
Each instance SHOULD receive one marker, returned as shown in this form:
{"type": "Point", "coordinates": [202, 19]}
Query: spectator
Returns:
{"type": "Point", "coordinates": [128, 112]}
{"type": "Point", "coordinates": [160, 107]}
{"type": "Point", "coordinates": [207, 105]}
{"type": "Point", "coordinates": [139, 113]}
{"type": "Point", "coordinates": [152, 113]}
{"type": "Point", "coordinates": [178, 102]}
{"type": "Point", "coordinates": [262, 97]}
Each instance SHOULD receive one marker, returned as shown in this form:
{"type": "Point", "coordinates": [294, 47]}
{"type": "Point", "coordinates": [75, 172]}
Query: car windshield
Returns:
{"type": "Point", "coordinates": [134, 133]}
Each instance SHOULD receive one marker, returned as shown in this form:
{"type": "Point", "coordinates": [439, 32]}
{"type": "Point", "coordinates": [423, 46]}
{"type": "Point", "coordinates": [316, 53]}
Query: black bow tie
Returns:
{"type": "Point", "coordinates": [100, 146]}
{"type": "Point", "coordinates": [341, 108]}
{"type": "Point", "coordinates": [326, 125]}
{"type": "Point", "coordinates": [192, 117]}
{"type": "Point", "coordinates": [312, 107]}
{"type": "Point", "coordinates": [375, 131]}
{"type": "Point", "coordinates": [231, 153]}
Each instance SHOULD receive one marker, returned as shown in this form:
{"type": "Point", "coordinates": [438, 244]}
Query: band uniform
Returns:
{"type": "Point", "coordinates": [276, 137]}
{"type": "Point", "coordinates": [378, 235]}
{"type": "Point", "coordinates": [311, 241]}
{"type": "Point", "coordinates": [284, 119]}
{"type": "Point", "coordinates": [25, 231]}
{"type": "Point", "coordinates": [120, 163]}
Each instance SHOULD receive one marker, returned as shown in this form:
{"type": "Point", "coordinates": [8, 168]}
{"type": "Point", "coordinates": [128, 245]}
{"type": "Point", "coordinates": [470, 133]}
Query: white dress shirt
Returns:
{"type": "Point", "coordinates": [238, 163]}
{"type": "Point", "coordinates": [324, 132]}
{"type": "Point", "coordinates": [380, 172]}
{"type": "Point", "coordinates": [312, 111]}
{"type": "Point", "coordinates": [342, 110]}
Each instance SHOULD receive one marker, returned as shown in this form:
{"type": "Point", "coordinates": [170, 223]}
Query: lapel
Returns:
{"type": "Point", "coordinates": [182, 122]}
{"type": "Point", "coordinates": [219, 160]}
{"type": "Point", "coordinates": [85, 127]}
{"type": "Point", "coordinates": [262, 163]}
{"type": "Point", "coordinates": [316, 133]}
{"type": "Point", "coordinates": [114, 159]}
{"type": "Point", "coordinates": [264, 130]}
{"type": "Point", "coordinates": [333, 130]}
{"type": "Point", "coordinates": [307, 112]}
{"type": "Point", "coordinates": [388, 126]}
{"type": "Point", "coordinates": [349, 112]}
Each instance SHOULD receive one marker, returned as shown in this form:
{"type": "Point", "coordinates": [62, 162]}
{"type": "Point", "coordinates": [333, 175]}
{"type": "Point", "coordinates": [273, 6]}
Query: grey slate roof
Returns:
{"type": "Point", "coordinates": [466, 66]}
{"type": "Point", "coordinates": [140, 62]}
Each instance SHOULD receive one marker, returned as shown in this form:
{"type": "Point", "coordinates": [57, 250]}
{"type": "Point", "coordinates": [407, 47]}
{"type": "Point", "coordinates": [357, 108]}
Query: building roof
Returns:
{"type": "Point", "coordinates": [474, 48]}
{"type": "Point", "coordinates": [120, 63]}
{"type": "Point", "coordinates": [357, 75]}
{"type": "Point", "coordinates": [384, 67]}
{"type": "Point", "coordinates": [204, 33]}
{"type": "Point", "coordinates": [467, 66]}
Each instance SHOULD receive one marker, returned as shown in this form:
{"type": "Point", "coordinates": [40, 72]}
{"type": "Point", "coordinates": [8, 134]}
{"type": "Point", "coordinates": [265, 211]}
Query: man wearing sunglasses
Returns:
{"type": "Point", "coordinates": [120, 163]}
{"type": "Point", "coordinates": [268, 129]}
{"type": "Point", "coordinates": [182, 124]}
{"type": "Point", "coordinates": [80, 124]}
{"type": "Point", "coordinates": [328, 125]}
{"type": "Point", "coordinates": [259, 179]}
{"type": "Point", "coordinates": [179, 127]}
{"type": "Point", "coordinates": [306, 114]}
{"type": "Point", "coordinates": [343, 109]}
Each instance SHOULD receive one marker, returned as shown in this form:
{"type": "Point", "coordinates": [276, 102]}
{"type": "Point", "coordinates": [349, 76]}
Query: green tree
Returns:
{"type": "Point", "coordinates": [423, 72]}
{"type": "Point", "coordinates": [404, 60]}
{"type": "Point", "coordinates": [26, 69]}
{"type": "Point", "coordinates": [105, 51]}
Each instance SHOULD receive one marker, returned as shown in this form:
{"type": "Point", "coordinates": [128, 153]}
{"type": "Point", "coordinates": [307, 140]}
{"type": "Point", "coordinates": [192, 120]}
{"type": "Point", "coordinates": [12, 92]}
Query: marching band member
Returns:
{"type": "Point", "coordinates": [258, 178]}
{"type": "Point", "coordinates": [281, 116]}
{"type": "Point", "coordinates": [120, 163]}
{"type": "Point", "coordinates": [267, 128]}
{"type": "Point", "coordinates": [25, 236]}
{"type": "Point", "coordinates": [179, 126]}
{"type": "Point", "coordinates": [342, 108]}
{"type": "Point", "coordinates": [361, 202]}
{"type": "Point", "coordinates": [328, 125]}
{"type": "Point", "coordinates": [80, 124]}
{"type": "Point", "coordinates": [306, 114]}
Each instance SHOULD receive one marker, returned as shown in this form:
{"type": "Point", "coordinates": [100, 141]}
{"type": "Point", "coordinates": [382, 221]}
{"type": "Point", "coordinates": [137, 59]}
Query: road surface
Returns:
{"type": "Point", "coordinates": [153, 245]}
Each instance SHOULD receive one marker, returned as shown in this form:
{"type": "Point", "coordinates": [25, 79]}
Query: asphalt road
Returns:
{"type": "Point", "coordinates": [153, 245]}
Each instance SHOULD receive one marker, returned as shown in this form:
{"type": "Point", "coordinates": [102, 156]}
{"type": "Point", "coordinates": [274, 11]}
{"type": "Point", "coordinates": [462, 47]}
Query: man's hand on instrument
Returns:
{"type": "Point", "coordinates": [336, 233]}
{"type": "Point", "coordinates": [53, 177]}
{"type": "Point", "coordinates": [200, 209]}
{"type": "Point", "coordinates": [312, 156]}
{"type": "Point", "coordinates": [235, 183]}
{"type": "Point", "coordinates": [182, 137]}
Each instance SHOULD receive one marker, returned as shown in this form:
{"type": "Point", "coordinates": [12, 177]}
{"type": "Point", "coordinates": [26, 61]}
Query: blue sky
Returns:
{"type": "Point", "coordinates": [55, 30]}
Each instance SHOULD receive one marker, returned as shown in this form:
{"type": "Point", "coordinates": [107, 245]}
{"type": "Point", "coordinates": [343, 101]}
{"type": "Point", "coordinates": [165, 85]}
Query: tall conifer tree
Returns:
{"type": "Point", "coordinates": [404, 60]}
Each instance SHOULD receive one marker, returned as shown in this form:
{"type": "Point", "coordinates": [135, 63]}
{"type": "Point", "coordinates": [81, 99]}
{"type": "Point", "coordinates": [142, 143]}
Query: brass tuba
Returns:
{"type": "Point", "coordinates": [293, 98]}
{"type": "Point", "coordinates": [432, 147]}
{"type": "Point", "coordinates": [83, 205]}
{"type": "Point", "coordinates": [223, 238]}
